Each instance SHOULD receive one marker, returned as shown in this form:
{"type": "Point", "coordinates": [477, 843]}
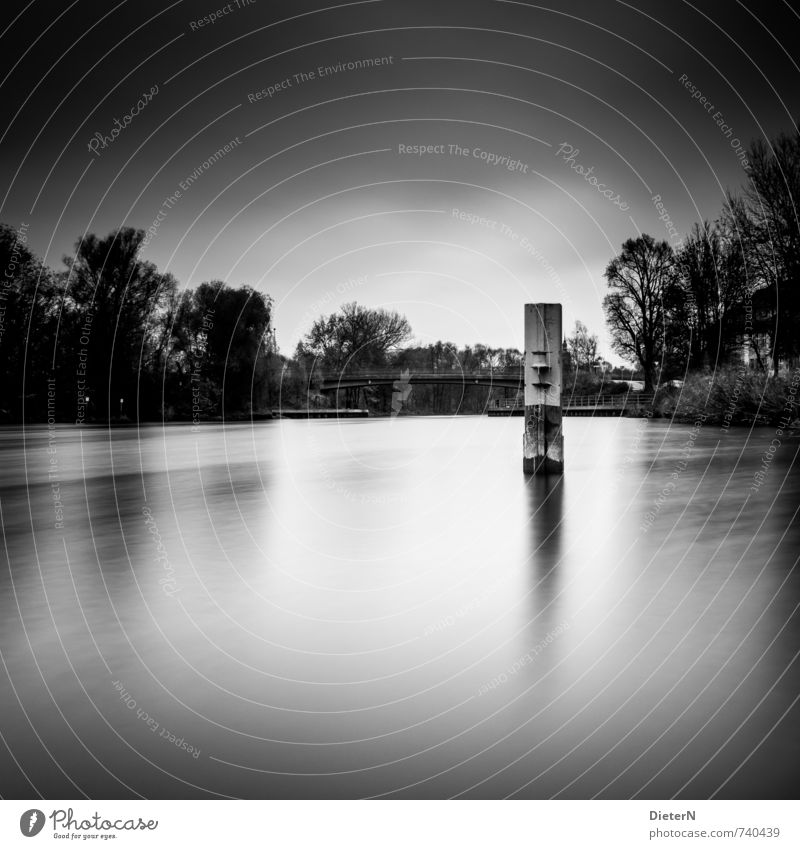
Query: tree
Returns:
{"type": "Point", "coordinates": [355, 336]}
{"type": "Point", "coordinates": [224, 333]}
{"type": "Point", "coordinates": [29, 305]}
{"type": "Point", "coordinates": [114, 300]}
{"type": "Point", "coordinates": [582, 347]}
{"type": "Point", "coordinates": [710, 283]}
{"type": "Point", "coordinates": [638, 279]}
{"type": "Point", "coordinates": [765, 221]}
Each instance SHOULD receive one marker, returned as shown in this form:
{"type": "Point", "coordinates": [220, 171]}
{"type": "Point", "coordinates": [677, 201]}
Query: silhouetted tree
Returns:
{"type": "Point", "coordinates": [638, 279]}
{"type": "Point", "coordinates": [710, 283]}
{"type": "Point", "coordinates": [765, 222]}
{"type": "Point", "coordinates": [29, 305]}
{"type": "Point", "coordinates": [115, 299]}
{"type": "Point", "coordinates": [111, 326]}
{"type": "Point", "coordinates": [224, 351]}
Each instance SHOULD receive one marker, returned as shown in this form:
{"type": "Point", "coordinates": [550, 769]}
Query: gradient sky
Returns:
{"type": "Point", "coordinates": [317, 205]}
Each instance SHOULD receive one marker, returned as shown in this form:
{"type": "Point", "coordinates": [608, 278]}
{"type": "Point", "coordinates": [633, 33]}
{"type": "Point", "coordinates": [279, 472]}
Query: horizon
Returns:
{"type": "Point", "coordinates": [456, 189]}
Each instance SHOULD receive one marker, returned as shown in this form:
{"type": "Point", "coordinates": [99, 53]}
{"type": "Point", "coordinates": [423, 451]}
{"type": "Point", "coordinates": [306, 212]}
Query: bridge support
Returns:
{"type": "Point", "coordinates": [543, 441]}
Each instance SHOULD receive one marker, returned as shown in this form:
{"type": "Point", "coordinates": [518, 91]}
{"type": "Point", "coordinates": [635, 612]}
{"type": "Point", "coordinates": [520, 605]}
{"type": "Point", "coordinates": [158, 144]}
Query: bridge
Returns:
{"type": "Point", "coordinates": [539, 380]}
{"type": "Point", "coordinates": [572, 405]}
{"type": "Point", "coordinates": [586, 405]}
{"type": "Point", "coordinates": [493, 378]}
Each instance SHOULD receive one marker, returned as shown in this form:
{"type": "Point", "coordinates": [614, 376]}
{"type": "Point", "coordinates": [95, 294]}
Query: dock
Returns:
{"type": "Point", "coordinates": [321, 413]}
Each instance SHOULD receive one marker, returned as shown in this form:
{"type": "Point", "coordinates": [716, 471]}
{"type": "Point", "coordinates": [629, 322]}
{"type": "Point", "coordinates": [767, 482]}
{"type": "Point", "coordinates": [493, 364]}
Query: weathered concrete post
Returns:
{"type": "Point", "coordinates": [543, 441]}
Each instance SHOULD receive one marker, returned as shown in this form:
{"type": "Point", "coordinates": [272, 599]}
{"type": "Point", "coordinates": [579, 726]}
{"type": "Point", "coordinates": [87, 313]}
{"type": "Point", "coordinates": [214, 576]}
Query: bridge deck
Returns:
{"type": "Point", "coordinates": [588, 405]}
{"type": "Point", "coordinates": [483, 377]}
{"type": "Point", "coordinates": [573, 405]}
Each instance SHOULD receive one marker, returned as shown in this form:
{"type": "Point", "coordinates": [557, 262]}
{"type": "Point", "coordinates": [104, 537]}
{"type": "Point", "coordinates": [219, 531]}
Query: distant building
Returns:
{"type": "Point", "coordinates": [601, 366]}
{"type": "Point", "coordinates": [566, 357]}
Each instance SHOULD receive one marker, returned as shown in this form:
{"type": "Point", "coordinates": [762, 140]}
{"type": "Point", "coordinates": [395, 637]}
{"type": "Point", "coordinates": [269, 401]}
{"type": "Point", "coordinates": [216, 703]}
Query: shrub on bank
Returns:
{"type": "Point", "coordinates": [588, 383]}
{"type": "Point", "coordinates": [730, 395]}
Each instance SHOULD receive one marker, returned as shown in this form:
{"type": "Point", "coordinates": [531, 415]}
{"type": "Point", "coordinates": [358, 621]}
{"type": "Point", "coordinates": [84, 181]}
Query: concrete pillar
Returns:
{"type": "Point", "coordinates": [543, 441]}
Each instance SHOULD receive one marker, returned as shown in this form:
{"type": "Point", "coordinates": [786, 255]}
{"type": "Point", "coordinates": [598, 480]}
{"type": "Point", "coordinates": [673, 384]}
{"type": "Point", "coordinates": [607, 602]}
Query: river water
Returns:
{"type": "Point", "coordinates": [389, 607]}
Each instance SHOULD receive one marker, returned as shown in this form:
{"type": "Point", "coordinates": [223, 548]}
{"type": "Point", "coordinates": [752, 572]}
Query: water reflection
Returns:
{"type": "Point", "coordinates": [546, 526]}
{"type": "Point", "coordinates": [392, 608]}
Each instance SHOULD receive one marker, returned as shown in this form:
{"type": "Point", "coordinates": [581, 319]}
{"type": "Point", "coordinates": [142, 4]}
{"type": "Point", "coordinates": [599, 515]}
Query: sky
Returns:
{"type": "Point", "coordinates": [450, 160]}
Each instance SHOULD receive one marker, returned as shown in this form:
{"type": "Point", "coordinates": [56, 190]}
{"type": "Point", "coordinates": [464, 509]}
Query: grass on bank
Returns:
{"type": "Point", "coordinates": [733, 395]}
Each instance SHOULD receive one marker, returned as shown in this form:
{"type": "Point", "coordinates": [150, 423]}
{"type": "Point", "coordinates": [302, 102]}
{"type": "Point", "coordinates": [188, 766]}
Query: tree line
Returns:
{"type": "Point", "coordinates": [109, 337]}
{"type": "Point", "coordinates": [356, 337]}
{"type": "Point", "coordinates": [729, 293]}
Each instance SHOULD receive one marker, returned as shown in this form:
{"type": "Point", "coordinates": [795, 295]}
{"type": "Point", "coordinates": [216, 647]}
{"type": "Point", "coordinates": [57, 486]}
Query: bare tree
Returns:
{"type": "Point", "coordinates": [712, 283]}
{"type": "Point", "coordinates": [582, 347]}
{"type": "Point", "coordinates": [766, 223]}
{"type": "Point", "coordinates": [638, 279]}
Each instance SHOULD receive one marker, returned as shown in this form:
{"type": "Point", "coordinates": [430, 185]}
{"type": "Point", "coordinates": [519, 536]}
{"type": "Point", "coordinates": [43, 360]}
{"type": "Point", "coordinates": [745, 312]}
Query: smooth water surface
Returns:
{"type": "Point", "coordinates": [389, 607]}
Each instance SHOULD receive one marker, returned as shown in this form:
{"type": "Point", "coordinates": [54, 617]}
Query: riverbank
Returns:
{"type": "Point", "coordinates": [734, 395]}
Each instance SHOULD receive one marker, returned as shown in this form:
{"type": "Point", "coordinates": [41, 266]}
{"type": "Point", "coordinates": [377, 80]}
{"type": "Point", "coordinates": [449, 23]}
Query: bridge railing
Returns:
{"type": "Point", "coordinates": [383, 374]}
{"type": "Point", "coordinates": [634, 400]}
{"type": "Point", "coordinates": [623, 399]}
